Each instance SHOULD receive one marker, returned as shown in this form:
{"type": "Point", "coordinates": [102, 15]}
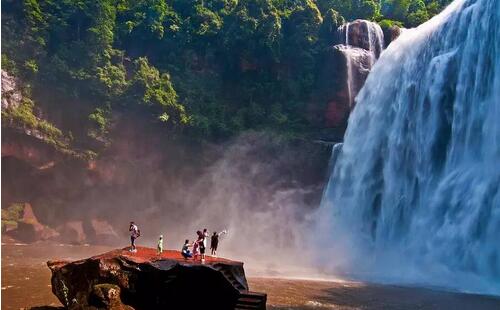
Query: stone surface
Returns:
{"type": "Point", "coordinates": [102, 233]}
{"type": "Point", "coordinates": [345, 68]}
{"type": "Point", "coordinates": [145, 280]}
{"type": "Point", "coordinates": [29, 229]}
{"type": "Point", "coordinates": [362, 34]}
{"type": "Point", "coordinates": [11, 95]}
{"type": "Point", "coordinates": [72, 232]}
{"type": "Point", "coordinates": [391, 34]}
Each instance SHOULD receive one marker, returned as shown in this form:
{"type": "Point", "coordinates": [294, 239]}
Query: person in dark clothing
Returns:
{"type": "Point", "coordinates": [214, 242]}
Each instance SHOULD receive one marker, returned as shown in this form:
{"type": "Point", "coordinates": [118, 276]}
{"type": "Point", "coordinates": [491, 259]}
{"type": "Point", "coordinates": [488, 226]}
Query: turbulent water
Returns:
{"type": "Point", "coordinates": [415, 192]}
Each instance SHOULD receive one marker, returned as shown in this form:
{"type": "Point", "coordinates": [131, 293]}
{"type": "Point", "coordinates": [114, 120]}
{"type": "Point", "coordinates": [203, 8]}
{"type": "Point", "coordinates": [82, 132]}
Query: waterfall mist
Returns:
{"type": "Point", "coordinates": [262, 188]}
{"type": "Point", "coordinates": [414, 196]}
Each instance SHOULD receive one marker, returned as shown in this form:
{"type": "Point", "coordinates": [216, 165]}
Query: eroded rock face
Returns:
{"type": "Point", "coordinates": [11, 95]}
{"type": "Point", "coordinates": [363, 34]}
{"type": "Point", "coordinates": [72, 232]}
{"type": "Point", "coordinates": [391, 34]}
{"type": "Point", "coordinates": [107, 296]}
{"type": "Point", "coordinates": [361, 43]}
{"type": "Point", "coordinates": [102, 233]}
{"type": "Point", "coordinates": [29, 229]}
{"type": "Point", "coordinates": [144, 280]}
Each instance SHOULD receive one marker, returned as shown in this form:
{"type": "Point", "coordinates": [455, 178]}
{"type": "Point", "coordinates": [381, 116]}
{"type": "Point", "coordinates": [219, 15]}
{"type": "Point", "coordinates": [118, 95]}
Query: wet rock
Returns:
{"type": "Point", "coordinates": [107, 296]}
{"type": "Point", "coordinates": [345, 69]}
{"type": "Point", "coordinates": [350, 67]}
{"type": "Point", "coordinates": [363, 34]}
{"type": "Point", "coordinates": [391, 34]}
{"type": "Point", "coordinates": [144, 280]}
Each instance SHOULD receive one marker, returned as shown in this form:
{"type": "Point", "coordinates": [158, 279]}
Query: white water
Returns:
{"type": "Point", "coordinates": [415, 192]}
{"type": "Point", "coordinates": [363, 42]}
{"type": "Point", "coordinates": [364, 34]}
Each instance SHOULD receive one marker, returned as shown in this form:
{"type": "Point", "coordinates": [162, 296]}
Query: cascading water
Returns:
{"type": "Point", "coordinates": [364, 34]}
{"type": "Point", "coordinates": [362, 43]}
{"type": "Point", "coordinates": [415, 192]}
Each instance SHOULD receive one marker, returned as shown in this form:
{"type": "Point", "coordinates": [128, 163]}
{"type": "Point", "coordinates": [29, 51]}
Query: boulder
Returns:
{"type": "Point", "coordinates": [28, 228]}
{"type": "Point", "coordinates": [102, 233]}
{"type": "Point", "coordinates": [72, 232]}
{"type": "Point", "coordinates": [391, 34]}
{"type": "Point", "coordinates": [145, 280]}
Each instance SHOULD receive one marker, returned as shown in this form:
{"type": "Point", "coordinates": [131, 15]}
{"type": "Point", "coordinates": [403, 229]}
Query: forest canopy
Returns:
{"type": "Point", "coordinates": [211, 68]}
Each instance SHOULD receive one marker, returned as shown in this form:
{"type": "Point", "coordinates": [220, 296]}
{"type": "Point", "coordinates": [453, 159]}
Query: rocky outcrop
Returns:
{"type": "Point", "coordinates": [361, 43]}
{"type": "Point", "coordinates": [101, 232]}
{"type": "Point", "coordinates": [144, 280]}
{"type": "Point", "coordinates": [362, 34]}
{"type": "Point", "coordinates": [391, 33]}
{"type": "Point", "coordinates": [11, 95]}
{"type": "Point", "coordinates": [27, 228]}
{"type": "Point", "coordinates": [26, 136]}
{"type": "Point", "coordinates": [31, 149]}
{"type": "Point", "coordinates": [72, 232]}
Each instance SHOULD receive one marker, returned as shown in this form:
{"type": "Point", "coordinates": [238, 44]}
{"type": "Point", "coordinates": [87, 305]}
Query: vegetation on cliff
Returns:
{"type": "Point", "coordinates": [209, 68]}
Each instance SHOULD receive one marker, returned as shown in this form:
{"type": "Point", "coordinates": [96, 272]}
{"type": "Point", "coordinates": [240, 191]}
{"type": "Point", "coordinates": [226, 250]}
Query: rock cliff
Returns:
{"type": "Point", "coordinates": [345, 68]}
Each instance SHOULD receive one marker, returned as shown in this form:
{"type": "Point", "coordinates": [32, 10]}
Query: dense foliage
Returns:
{"type": "Point", "coordinates": [208, 67]}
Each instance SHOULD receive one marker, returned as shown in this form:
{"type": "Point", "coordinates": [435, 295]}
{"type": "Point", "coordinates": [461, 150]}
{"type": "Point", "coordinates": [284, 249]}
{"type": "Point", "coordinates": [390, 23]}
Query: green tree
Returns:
{"type": "Point", "coordinates": [353, 9]}
{"type": "Point", "coordinates": [332, 20]}
{"type": "Point", "coordinates": [153, 89]}
{"type": "Point", "coordinates": [395, 9]}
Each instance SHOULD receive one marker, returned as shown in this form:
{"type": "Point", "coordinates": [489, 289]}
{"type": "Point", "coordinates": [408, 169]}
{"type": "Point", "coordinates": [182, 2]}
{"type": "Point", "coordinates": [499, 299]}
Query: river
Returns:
{"type": "Point", "coordinates": [26, 283]}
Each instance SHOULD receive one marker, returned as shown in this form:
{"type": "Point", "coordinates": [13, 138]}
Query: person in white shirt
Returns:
{"type": "Point", "coordinates": [185, 250]}
{"type": "Point", "coordinates": [134, 234]}
{"type": "Point", "coordinates": [160, 245]}
{"type": "Point", "coordinates": [203, 245]}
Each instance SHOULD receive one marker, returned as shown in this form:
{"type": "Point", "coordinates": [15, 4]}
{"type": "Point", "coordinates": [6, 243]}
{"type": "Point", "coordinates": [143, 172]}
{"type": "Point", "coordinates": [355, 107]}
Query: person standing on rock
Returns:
{"type": "Point", "coordinates": [134, 234]}
{"type": "Point", "coordinates": [197, 244]}
{"type": "Point", "coordinates": [203, 245]}
{"type": "Point", "coordinates": [214, 242]}
{"type": "Point", "coordinates": [160, 245]}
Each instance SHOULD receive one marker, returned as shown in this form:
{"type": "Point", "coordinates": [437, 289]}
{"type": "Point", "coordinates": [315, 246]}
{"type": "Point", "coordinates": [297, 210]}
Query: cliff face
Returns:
{"type": "Point", "coordinates": [144, 280]}
{"type": "Point", "coordinates": [346, 66]}
{"type": "Point", "coordinates": [11, 95]}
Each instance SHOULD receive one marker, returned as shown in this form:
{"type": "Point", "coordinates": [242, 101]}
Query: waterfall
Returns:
{"type": "Point", "coordinates": [364, 34]}
{"type": "Point", "coordinates": [362, 43]}
{"type": "Point", "coordinates": [414, 196]}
